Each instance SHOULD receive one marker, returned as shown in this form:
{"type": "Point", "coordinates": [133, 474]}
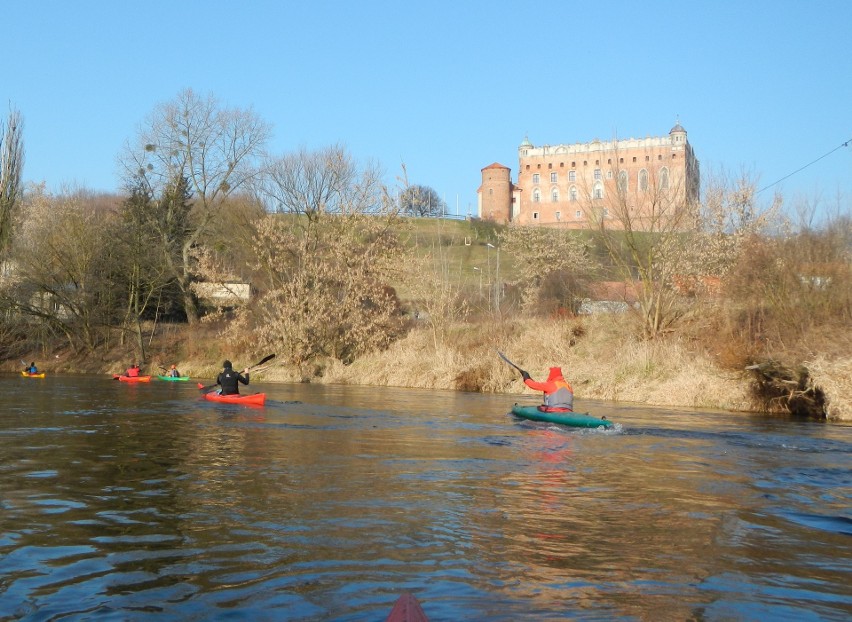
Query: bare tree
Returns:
{"type": "Point", "coordinates": [215, 149]}
{"type": "Point", "coordinates": [69, 274]}
{"type": "Point", "coordinates": [642, 232]}
{"type": "Point", "coordinates": [550, 264]}
{"type": "Point", "coordinates": [328, 254]}
{"type": "Point", "coordinates": [11, 165]}
{"type": "Point", "coordinates": [670, 243]}
{"type": "Point", "coordinates": [314, 183]}
{"type": "Point", "coordinates": [421, 201]}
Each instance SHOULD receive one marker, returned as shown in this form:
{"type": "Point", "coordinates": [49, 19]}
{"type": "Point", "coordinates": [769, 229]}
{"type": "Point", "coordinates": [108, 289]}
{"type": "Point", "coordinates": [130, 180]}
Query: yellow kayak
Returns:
{"type": "Point", "coordinates": [27, 374]}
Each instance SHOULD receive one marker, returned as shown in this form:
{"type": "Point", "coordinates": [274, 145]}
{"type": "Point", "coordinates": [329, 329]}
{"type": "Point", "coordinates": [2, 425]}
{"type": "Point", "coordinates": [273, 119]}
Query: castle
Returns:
{"type": "Point", "coordinates": [618, 183]}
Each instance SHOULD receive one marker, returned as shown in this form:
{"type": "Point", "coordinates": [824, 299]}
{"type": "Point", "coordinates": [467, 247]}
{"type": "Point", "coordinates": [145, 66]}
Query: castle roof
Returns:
{"type": "Point", "coordinates": [495, 165]}
{"type": "Point", "coordinates": [677, 128]}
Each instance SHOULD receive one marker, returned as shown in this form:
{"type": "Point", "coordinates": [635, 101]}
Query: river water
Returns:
{"type": "Point", "coordinates": [123, 502]}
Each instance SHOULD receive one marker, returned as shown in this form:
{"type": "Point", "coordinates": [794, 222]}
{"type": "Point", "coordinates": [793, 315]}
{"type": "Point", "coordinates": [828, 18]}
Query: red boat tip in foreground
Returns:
{"type": "Point", "coordinates": [407, 609]}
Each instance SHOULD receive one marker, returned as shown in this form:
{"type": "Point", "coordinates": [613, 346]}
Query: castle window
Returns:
{"type": "Point", "coordinates": [609, 174]}
{"type": "Point", "coordinates": [597, 162]}
{"type": "Point", "coordinates": [609, 160]}
{"type": "Point", "coordinates": [536, 196]}
{"type": "Point", "coordinates": [572, 193]}
{"type": "Point", "coordinates": [554, 195]}
{"type": "Point", "coordinates": [605, 212]}
{"type": "Point", "coordinates": [535, 215]}
{"type": "Point", "coordinates": [558, 215]}
{"type": "Point", "coordinates": [562, 165]}
{"type": "Point", "coordinates": [622, 181]}
{"type": "Point", "coordinates": [528, 167]}
{"type": "Point", "coordinates": [597, 173]}
{"type": "Point", "coordinates": [647, 158]}
{"type": "Point", "coordinates": [550, 165]}
{"type": "Point", "coordinates": [573, 165]}
{"type": "Point", "coordinates": [572, 175]}
{"type": "Point", "coordinates": [621, 160]}
{"type": "Point", "coordinates": [578, 214]}
{"type": "Point", "coordinates": [536, 178]}
{"type": "Point", "coordinates": [664, 179]}
{"type": "Point", "coordinates": [490, 191]}
{"type": "Point", "coordinates": [585, 163]}
{"type": "Point", "coordinates": [674, 155]}
{"type": "Point", "coordinates": [634, 158]}
{"type": "Point", "coordinates": [643, 180]}
{"type": "Point", "coordinates": [660, 157]}
{"type": "Point", "coordinates": [553, 177]}
{"type": "Point", "coordinates": [597, 193]}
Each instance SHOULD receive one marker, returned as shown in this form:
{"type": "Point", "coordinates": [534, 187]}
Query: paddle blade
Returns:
{"type": "Point", "coordinates": [264, 360]}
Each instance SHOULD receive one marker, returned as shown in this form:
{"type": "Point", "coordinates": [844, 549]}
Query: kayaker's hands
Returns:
{"type": "Point", "coordinates": [525, 375]}
{"type": "Point", "coordinates": [246, 370]}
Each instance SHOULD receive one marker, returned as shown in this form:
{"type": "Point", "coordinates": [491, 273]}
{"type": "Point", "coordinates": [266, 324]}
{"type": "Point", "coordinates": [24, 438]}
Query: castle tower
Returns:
{"type": "Point", "coordinates": [494, 196]}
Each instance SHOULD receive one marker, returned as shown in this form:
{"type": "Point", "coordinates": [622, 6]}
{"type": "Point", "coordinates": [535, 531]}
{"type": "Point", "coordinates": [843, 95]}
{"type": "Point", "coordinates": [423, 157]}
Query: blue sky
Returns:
{"type": "Point", "coordinates": [446, 88]}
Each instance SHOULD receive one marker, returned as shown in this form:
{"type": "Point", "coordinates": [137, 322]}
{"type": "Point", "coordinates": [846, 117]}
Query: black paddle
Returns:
{"type": "Point", "coordinates": [503, 356]}
{"type": "Point", "coordinates": [258, 364]}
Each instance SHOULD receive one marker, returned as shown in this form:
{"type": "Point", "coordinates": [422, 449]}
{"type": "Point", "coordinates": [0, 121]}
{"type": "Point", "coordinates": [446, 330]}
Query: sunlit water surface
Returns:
{"type": "Point", "coordinates": [123, 502]}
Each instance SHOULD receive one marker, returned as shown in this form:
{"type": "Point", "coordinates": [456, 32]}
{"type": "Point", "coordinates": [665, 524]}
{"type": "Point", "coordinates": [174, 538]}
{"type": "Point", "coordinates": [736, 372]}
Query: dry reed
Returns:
{"type": "Point", "coordinates": [596, 358]}
{"type": "Point", "coordinates": [834, 378]}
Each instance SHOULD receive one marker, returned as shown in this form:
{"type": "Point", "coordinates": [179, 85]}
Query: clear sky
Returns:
{"type": "Point", "coordinates": [446, 88]}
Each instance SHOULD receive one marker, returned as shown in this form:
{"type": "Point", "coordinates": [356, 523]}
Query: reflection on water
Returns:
{"type": "Point", "coordinates": [129, 501]}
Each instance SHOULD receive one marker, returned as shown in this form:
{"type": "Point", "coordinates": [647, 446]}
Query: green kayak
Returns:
{"type": "Point", "coordinates": [576, 420]}
{"type": "Point", "coordinates": [173, 378]}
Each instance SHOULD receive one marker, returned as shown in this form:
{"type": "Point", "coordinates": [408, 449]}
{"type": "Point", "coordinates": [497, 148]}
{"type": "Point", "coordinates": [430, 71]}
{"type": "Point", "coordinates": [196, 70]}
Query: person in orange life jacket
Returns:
{"type": "Point", "coordinates": [132, 371]}
{"type": "Point", "coordinates": [558, 394]}
{"type": "Point", "coordinates": [229, 379]}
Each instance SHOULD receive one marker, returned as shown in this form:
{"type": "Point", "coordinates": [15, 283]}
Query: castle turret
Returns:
{"type": "Point", "coordinates": [678, 135]}
{"type": "Point", "coordinates": [495, 193]}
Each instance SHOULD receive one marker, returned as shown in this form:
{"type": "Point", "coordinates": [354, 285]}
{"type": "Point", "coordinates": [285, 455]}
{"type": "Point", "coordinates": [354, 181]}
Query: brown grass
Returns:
{"type": "Point", "coordinates": [834, 378]}
{"type": "Point", "coordinates": [596, 357]}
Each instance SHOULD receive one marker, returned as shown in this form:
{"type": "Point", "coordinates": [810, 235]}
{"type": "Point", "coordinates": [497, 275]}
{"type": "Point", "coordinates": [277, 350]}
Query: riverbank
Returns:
{"type": "Point", "coordinates": [601, 361]}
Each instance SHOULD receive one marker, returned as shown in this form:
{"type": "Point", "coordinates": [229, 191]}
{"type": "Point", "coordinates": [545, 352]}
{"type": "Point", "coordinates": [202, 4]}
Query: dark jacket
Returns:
{"type": "Point", "coordinates": [229, 380]}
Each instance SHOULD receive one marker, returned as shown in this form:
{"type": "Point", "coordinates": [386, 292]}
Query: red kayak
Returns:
{"type": "Point", "coordinates": [256, 399]}
{"type": "Point", "coordinates": [407, 609]}
{"type": "Point", "coordinates": [131, 378]}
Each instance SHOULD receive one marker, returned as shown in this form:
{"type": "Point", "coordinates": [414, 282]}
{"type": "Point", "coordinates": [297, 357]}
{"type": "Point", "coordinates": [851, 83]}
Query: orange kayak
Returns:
{"type": "Point", "coordinates": [131, 378]}
{"type": "Point", "coordinates": [256, 399]}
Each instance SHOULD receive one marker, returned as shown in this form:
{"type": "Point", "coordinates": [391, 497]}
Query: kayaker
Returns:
{"type": "Point", "coordinates": [173, 372]}
{"type": "Point", "coordinates": [132, 371]}
{"type": "Point", "coordinates": [229, 379]}
{"type": "Point", "coordinates": [558, 394]}
{"type": "Point", "coordinates": [32, 369]}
